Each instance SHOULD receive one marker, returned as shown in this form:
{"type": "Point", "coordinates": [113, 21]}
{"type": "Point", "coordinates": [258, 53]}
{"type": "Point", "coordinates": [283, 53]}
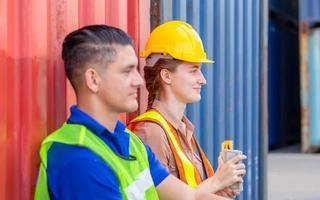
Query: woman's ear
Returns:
{"type": "Point", "coordinates": [166, 76]}
{"type": "Point", "coordinates": [92, 80]}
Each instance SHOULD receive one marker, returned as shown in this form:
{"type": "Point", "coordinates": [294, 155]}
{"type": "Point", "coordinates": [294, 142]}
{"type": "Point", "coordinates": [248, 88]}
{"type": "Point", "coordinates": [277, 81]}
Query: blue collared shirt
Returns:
{"type": "Point", "coordinates": [78, 173]}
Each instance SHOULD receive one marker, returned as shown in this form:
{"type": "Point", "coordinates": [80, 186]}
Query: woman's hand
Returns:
{"type": "Point", "coordinates": [228, 192]}
{"type": "Point", "coordinates": [226, 175]}
{"type": "Point", "coordinates": [230, 172]}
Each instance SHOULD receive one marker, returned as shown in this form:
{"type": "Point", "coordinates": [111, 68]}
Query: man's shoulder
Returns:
{"type": "Point", "coordinates": [63, 156]}
{"type": "Point", "coordinates": [65, 153]}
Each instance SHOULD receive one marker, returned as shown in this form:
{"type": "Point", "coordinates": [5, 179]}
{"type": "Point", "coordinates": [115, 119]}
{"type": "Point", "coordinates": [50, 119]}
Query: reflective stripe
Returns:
{"type": "Point", "coordinates": [187, 165]}
{"type": "Point", "coordinates": [137, 189]}
{"type": "Point", "coordinates": [82, 135]}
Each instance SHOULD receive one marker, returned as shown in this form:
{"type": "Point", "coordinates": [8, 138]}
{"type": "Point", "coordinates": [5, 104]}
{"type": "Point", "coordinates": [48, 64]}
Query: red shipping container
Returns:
{"type": "Point", "coordinates": [34, 94]}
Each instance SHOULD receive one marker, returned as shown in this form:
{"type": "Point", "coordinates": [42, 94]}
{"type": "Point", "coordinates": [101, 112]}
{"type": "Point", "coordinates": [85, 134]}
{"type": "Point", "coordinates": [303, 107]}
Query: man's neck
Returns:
{"type": "Point", "coordinates": [103, 115]}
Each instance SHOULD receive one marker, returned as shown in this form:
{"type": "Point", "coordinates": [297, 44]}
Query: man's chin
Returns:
{"type": "Point", "coordinates": [132, 108]}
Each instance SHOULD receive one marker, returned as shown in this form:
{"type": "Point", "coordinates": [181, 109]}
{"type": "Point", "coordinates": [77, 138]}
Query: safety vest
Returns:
{"type": "Point", "coordinates": [187, 171]}
{"type": "Point", "coordinates": [133, 175]}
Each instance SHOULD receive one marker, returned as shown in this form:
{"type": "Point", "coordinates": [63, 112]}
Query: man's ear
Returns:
{"type": "Point", "coordinates": [92, 80]}
{"type": "Point", "coordinates": [166, 76]}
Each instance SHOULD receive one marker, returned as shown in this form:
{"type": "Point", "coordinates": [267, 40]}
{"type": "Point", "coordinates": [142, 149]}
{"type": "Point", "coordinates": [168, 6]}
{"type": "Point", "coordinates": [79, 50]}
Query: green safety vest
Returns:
{"type": "Point", "coordinates": [133, 175]}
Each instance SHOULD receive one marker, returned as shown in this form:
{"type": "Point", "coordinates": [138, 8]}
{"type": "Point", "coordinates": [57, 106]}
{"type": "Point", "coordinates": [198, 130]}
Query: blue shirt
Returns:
{"type": "Point", "coordinates": [78, 173]}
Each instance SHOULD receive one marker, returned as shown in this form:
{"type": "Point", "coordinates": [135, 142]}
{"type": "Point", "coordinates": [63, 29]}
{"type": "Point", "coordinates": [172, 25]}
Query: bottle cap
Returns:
{"type": "Point", "coordinates": [227, 145]}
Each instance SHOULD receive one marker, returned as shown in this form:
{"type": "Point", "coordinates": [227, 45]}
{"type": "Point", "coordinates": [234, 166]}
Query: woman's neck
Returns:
{"type": "Point", "coordinates": [176, 107]}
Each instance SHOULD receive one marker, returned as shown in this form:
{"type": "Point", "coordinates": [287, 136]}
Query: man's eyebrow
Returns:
{"type": "Point", "coordinates": [130, 66]}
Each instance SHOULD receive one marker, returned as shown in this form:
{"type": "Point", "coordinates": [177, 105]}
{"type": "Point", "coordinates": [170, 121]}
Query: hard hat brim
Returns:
{"type": "Point", "coordinates": [200, 60]}
{"type": "Point", "coordinates": [207, 61]}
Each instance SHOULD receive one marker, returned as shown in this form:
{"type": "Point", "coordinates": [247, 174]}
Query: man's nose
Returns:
{"type": "Point", "coordinates": [138, 80]}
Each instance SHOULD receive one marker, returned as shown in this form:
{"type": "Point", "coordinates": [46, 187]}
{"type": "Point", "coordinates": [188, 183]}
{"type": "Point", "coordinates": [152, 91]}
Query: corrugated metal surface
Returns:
{"type": "Point", "coordinates": [284, 96]}
{"type": "Point", "coordinates": [288, 9]}
{"type": "Point", "coordinates": [229, 108]}
{"type": "Point", "coordinates": [273, 84]}
{"type": "Point", "coordinates": [304, 87]}
{"type": "Point", "coordinates": [314, 66]}
{"type": "Point", "coordinates": [309, 11]}
{"type": "Point", "coordinates": [34, 95]}
{"type": "Point", "coordinates": [310, 85]}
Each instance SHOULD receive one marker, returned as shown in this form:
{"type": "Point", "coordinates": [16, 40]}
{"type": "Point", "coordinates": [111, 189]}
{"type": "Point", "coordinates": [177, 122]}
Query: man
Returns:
{"type": "Point", "coordinates": [93, 156]}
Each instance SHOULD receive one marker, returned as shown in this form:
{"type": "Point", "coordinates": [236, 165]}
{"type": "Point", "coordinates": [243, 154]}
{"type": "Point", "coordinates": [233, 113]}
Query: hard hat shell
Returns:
{"type": "Point", "coordinates": [179, 40]}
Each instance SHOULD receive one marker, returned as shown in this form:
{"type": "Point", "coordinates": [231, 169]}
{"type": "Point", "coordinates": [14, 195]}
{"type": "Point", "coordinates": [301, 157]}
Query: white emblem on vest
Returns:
{"type": "Point", "coordinates": [137, 189]}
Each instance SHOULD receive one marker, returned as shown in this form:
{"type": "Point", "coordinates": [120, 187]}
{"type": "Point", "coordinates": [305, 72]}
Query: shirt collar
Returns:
{"type": "Point", "coordinates": [80, 117]}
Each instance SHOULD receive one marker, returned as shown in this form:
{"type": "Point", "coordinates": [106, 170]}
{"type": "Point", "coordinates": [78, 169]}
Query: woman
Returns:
{"type": "Point", "coordinates": [173, 76]}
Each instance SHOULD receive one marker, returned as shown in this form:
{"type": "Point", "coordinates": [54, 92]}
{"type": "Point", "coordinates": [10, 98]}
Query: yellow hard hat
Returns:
{"type": "Point", "coordinates": [177, 39]}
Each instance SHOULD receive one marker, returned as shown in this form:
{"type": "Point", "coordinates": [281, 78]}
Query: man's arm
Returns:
{"type": "Point", "coordinates": [173, 189]}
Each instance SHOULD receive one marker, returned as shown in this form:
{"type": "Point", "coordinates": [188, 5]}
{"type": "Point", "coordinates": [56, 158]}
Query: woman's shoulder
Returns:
{"type": "Point", "coordinates": [149, 131]}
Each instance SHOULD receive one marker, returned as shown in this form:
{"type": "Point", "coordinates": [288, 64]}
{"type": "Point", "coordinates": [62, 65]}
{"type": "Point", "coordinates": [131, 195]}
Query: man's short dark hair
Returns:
{"type": "Point", "coordinates": [88, 45]}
